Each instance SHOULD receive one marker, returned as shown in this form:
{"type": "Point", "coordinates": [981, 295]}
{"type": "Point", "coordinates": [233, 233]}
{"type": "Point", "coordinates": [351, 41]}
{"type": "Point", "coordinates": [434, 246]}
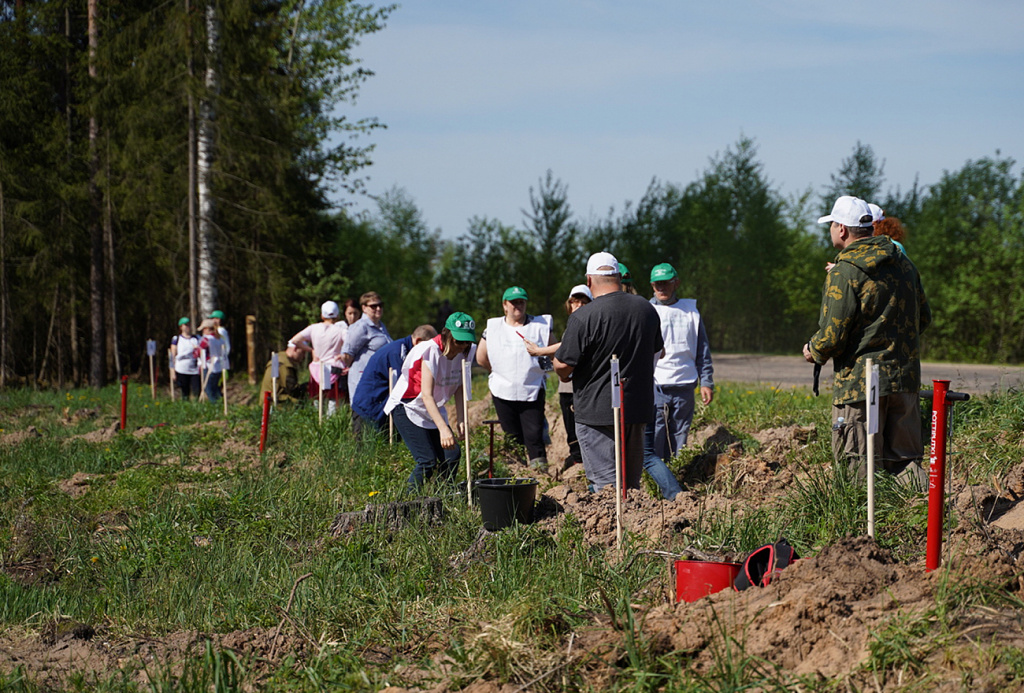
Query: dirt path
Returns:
{"type": "Point", "coordinates": [793, 370]}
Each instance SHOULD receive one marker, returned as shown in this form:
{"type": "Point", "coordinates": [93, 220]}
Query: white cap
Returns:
{"type": "Point", "coordinates": [848, 211]}
{"type": "Point", "coordinates": [330, 310]}
{"type": "Point", "coordinates": [599, 260]}
{"type": "Point", "coordinates": [876, 212]}
{"type": "Point", "coordinates": [581, 289]}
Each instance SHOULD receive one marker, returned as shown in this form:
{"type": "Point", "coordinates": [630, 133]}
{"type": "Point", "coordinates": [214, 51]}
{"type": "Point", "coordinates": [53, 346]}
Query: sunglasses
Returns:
{"type": "Point", "coordinates": [374, 306]}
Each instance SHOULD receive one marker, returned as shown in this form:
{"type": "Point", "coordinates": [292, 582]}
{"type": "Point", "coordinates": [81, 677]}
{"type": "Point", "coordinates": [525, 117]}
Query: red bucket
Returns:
{"type": "Point", "coordinates": [696, 579]}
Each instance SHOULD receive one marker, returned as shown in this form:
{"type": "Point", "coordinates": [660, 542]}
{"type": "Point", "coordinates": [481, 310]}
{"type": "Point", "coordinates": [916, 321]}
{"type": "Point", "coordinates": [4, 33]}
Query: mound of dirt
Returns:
{"type": "Point", "coordinates": [818, 617]}
{"type": "Point", "coordinates": [19, 437]}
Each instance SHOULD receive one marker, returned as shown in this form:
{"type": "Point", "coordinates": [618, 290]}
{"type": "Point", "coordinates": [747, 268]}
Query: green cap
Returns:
{"type": "Point", "coordinates": [462, 327]}
{"type": "Point", "coordinates": [219, 314]}
{"type": "Point", "coordinates": [514, 293]}
{"type": "Point", "coordinates": [182, 321]}
{"type": "Point", "coordinates": [627, 278]}
{"type": "Point", "coordinates": [663, 272]}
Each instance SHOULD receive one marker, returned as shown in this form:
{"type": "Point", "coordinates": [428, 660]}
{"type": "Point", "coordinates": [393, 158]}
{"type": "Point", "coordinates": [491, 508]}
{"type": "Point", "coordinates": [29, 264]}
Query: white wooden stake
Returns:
{"type": "Point", "coordinates": [391, 418]}
{"type": "Point", "coordinates": [151, 352]}
{"type": "Point", "coordinates": [204, 374]}
{"type": "Point", "coordinates": [467, 394]}
{"type": "Point", "coordinates": [325, 376]}
{"type": "Point", "coordinates": [224, 387]}
{"type": "Point", "coordinates": [616, 406]}
{"type": "Point", "coordinates": [170, 366]}
{"type": "Point", "coordinates": [871, 426]}
{"type": "Point", "coordinates": [275, 373]}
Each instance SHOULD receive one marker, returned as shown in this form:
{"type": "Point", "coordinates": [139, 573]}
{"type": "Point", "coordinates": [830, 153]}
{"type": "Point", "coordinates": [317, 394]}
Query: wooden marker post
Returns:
{"type": "Point", "coordinates": [391, 418]}
{"type": "Point", "coordinates": [250, 343]}
{"type": "Point", "coordinates": [224, 387]}
{"type": "Point", "coordinates": [467, 394]}
{"type": "Point", "coordinates": [275, 373]}
{"type": "Point", "coordinates": [151, 352]}
{"type": "Point", "coordinates": [619, 481]}
{"type": "Point", "coordinates": [871, 428]}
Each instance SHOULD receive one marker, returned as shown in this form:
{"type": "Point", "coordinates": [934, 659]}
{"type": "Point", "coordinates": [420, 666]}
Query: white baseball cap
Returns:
{"type": "Point", "coordinates": [330, 310]}
{"type": "Point", "coordinates": [581, 289]}
{"type": "Point", "coordinates": [602, 259]}
{"type": "Point", "coordinates": [876, 212]}
{"type": "Point", "coordinates": [848, 211]}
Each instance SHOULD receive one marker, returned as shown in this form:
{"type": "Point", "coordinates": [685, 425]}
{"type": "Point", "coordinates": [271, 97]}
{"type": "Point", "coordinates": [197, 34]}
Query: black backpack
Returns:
{"type": "Point", "coordinates": [761, 566]}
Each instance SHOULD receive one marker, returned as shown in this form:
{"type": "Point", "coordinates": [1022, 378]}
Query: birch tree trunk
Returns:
{"type": "Point", "coordinates": [97, 347]}
{"type": "Point", "coordinates": [193, 265]}
{"type": "Point", "coordinates": [204, 166]}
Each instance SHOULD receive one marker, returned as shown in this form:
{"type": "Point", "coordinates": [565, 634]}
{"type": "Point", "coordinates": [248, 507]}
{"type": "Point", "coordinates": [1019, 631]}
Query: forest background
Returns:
{"type": "Point", "coordinates": [166, 159]}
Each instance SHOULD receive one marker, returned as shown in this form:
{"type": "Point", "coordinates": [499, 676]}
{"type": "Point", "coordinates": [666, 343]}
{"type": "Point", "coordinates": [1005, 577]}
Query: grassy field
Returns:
{"type": "Point", "coordinates": [186, 528]}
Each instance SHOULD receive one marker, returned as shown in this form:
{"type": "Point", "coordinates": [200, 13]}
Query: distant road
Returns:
{"type": "Point", "coordinates": [786, 371]}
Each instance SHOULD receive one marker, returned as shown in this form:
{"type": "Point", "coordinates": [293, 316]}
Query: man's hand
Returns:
{"type": "Point", "coordinates": [706, 395]}
{"type": "Point", "coordinates": [807, 353]}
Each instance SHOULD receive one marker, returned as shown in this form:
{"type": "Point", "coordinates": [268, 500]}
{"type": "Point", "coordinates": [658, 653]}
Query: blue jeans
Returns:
{"type": "Point", "coordinates": [656, 467]}
{"type": "Point", "coordinates": [213, 386]}
{"type": "Point", "coordinates": [425, 446]}
{"type": "Point", "coordinates": [673, 414]}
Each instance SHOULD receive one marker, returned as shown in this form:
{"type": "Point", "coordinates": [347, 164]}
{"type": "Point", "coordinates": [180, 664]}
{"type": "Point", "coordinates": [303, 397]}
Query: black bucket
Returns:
{"type": "Point", "coordinates": [504, 501]}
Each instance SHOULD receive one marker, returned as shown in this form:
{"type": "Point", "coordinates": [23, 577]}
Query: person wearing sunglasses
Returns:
{"type": "Point", "coordinates": [365, 336]}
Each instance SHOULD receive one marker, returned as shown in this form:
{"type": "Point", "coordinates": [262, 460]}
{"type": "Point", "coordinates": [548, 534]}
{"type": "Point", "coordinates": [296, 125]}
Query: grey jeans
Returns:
{"type": "Point", "coordinates": [597, 445]}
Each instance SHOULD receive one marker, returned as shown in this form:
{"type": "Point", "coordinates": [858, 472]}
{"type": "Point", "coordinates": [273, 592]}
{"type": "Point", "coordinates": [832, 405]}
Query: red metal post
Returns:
{"type": "Point", "coordinates": [266, 420]}
{"type": "Point", "coordinates": [937, 475]}
{"type": "Point", "coordinates": [124, 401]}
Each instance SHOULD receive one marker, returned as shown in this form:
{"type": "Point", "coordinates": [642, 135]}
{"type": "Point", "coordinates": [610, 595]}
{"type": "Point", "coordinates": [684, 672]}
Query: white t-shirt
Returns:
{"type": "Point", "coordinates": [680, 323]}
{"type": "Point", "coordinates": [447, 379]}
{"type": "Point", "coordinates": [515, 375]}
{"type": "Point", "coordinates": [185, 361]}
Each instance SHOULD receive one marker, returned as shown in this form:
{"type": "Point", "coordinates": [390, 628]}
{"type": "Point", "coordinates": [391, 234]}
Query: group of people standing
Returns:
{"type": "Point", "coordinates": [198, 361]}
{"type": "Point", "coordinates": [661, 345]}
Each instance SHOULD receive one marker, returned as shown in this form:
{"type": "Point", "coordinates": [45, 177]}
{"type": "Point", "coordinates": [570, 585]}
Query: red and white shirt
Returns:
{"type": "Point", "coordinates": [447, 380]}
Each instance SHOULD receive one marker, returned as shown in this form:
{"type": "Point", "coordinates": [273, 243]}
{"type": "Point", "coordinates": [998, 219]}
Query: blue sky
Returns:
{"type": "Point", "coordinates": [482, 98]}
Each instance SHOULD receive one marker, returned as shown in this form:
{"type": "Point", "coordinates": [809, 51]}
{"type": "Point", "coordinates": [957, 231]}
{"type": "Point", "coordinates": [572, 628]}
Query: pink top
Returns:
{"type": "Point", "coordinates": [326, 340]}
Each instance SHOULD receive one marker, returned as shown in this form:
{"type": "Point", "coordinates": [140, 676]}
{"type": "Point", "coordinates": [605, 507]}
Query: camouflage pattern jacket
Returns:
{"type": "Point", "coordinates": [873, 307]}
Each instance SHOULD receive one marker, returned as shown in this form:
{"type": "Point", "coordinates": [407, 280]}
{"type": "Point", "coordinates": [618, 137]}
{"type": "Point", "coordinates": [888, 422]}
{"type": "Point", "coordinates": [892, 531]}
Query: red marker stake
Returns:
{"type": "Point", "coordinates": [124, 401]}
{"type": "Point", "coordinates": [265, 422]}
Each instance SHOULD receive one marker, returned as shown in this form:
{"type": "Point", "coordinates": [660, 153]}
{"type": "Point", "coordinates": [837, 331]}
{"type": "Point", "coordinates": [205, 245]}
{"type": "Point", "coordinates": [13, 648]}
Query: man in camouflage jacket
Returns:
{"type": "Point", "coordinates": [873, 307]}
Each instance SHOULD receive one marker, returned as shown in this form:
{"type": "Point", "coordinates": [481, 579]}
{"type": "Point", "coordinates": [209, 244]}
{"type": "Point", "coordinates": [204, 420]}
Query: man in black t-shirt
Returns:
{"type": "Point", "coordinates": [628, 327]}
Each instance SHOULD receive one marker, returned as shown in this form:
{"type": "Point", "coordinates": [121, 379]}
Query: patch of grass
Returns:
{"type": "Point", "coordinates": [158, 543]}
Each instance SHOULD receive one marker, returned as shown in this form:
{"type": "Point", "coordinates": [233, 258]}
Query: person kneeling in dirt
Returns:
{"type": "Point", "coordinates": [873, 307]}
{"type": "Point", "coordinates": [431, 375]}
{"type": "Point", "coordinates": [288, 388]}
{"type": "Point", "coordinates": [374, 386]}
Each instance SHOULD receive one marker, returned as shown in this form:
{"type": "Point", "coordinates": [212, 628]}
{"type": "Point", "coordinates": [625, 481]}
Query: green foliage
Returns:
{"type": "Point", "coordinates": [968, 249]}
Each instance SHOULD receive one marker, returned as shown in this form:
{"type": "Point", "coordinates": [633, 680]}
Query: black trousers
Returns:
{"type": "Point", "coordinates": [569, 419]}
{"type": "Point", "coordinates": [523, 422]}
